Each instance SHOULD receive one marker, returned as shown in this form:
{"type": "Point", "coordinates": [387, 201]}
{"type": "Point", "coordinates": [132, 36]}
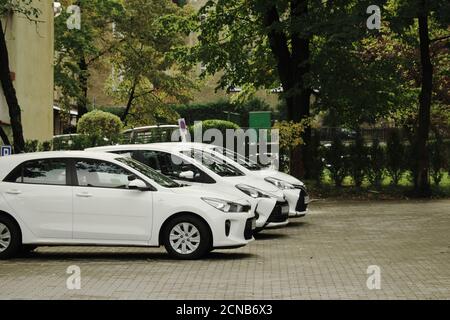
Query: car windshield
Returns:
{"type": "Point", "coordinates": [157, 177]}
{"type": "Point", "coordinates": [213, 163]}
{"type": "Point", "coordinates": [243, 161]}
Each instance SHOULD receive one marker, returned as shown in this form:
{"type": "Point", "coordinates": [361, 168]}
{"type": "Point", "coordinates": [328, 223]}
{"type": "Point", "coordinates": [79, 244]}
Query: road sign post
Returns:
{"type": "Point", "coordinates": [5, 151]}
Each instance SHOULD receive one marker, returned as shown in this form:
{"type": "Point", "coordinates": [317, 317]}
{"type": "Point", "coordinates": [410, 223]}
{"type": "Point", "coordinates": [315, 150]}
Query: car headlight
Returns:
{"type": "Point", "coordinates": [227, 206]}
{"type": "Point", "coordinates": [280, 183]}
{"type": "Point", "coordinates": [252, 191]}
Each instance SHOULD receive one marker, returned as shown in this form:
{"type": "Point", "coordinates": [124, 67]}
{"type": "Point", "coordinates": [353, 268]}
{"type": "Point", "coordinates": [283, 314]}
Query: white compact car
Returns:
{"type": "Point", "coordinates": [177, 161]}
{"type": "Point", "coordinates": [294, 190]}
{"type": "Point", "coordinates": [92, 198]}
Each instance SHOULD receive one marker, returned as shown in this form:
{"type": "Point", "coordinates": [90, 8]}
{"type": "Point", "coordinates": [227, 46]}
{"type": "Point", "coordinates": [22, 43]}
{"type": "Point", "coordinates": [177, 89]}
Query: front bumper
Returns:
{"type": "Point", "coordinates": [233, 230]}
{"type": "Point", "coordinates": [279, 216]}
{"type": "Point", "coordinates": [298, 200]}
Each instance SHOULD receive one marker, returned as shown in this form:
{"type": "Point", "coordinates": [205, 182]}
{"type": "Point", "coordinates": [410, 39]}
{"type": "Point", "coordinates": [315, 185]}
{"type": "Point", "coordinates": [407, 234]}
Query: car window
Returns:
{"type": "Point", "coordinates": [101, 174]}
{"type": "Point", "coordinates": [242, 160]}
{"type": "Point", "coordinates": [157, 177]}
{"type": "Point", "coordinates": [214, 163]}
{"type": "Point", "coordinates": [49, 172]}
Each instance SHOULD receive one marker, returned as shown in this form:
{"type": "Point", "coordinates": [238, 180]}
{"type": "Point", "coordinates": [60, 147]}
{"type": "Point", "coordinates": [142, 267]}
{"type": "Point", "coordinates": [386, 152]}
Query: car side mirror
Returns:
{"type": "Point", "coordinates": [189, 175]}
{"type": "Point", "coordinates": [138, 184]}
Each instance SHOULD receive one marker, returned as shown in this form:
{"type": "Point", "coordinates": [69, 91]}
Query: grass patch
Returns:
{"type": "Point", "coordinates": [387, 191]}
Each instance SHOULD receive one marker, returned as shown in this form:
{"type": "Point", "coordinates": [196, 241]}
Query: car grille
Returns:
{"type": "Point", "coordinates": [248, 232]}
{"type": "Point", "coordinates": [277, 214]}
{"type": "Point", "coordinates": [301, 205]}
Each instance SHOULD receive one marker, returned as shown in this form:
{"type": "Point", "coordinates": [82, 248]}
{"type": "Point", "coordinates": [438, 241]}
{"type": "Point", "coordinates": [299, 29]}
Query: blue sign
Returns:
{"type": "Point", "coordinates": [5, 151]}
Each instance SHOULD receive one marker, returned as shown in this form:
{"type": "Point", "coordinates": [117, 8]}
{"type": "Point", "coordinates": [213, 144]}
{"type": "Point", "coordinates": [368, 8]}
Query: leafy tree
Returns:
{"type": "Point", "coordinates": [149, 78]}
{"type": "Point", "coordinates": [76, 51]}
{"type": "Point", "coordinates": [263, 44]}
{"type": "Point", "coordinates": [290, 138]}
{"type": "Point", "coordinates": [24, 8]}
{"type": "Point", "coordinates": [421, 23]}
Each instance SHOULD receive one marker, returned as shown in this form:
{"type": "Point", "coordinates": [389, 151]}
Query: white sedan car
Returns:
{"type": "Point", "coordinates": [82, 198]}
{"type": "Point", "coordinates": [178, 162]}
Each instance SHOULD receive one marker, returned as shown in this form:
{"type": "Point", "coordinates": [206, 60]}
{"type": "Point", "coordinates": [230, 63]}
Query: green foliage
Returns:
{"type": "Point", "coordinates": [316, 166]}
{"type": "Point", "coordinates": [375, 168]}
{"type": "Point", "coordinates": [335, 157]}
{"type": "Point", "coordinates": [290, 134]}
{"type": "Point", "coordinates": [438, 158]}
{"type": "Point", "coordinates": [31, 146]}
{"type": "Point", "coordinates": [395, 157]}
{"type": "Point", "coordinates": [99, 124]}
{"type": "Point", "coordinates": [358, 159]}
{"type": "Point", "coordinates": [149, 78]}
{"type": "Point", "coordinates": [221, 125]}
{"type": "Point", "coordinates": [237, 111]}
{"type": "Point", "coordinates": [77, 50]}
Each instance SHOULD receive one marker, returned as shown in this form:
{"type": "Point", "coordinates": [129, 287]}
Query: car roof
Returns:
{"type": "Point", "coordinates": [10, 162]}
{"type": "Point", "coordinates": [172, 146]}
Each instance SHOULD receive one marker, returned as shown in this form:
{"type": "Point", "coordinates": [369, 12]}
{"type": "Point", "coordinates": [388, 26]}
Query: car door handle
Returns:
{"type": "Point", "coordinates": [84, 195]}
{"type": "Point", "coordinates": [13, 192]}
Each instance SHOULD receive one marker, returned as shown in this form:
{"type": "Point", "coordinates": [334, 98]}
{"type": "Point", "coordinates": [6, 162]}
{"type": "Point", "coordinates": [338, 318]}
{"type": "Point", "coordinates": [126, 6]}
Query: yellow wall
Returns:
{"type": "Point", "coordinates": [30, 48]}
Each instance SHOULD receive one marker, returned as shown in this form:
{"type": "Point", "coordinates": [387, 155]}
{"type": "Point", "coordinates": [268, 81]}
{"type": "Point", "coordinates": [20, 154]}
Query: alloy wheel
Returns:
{"type": "Point", "coordinates": [5, 237]}
{"type": "Point", "coordinates": [185, 238]}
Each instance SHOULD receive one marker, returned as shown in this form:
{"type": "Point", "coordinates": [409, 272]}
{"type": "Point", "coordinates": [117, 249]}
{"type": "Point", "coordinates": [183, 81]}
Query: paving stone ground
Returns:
{"type": "Point", "coordinates": [322, 256]}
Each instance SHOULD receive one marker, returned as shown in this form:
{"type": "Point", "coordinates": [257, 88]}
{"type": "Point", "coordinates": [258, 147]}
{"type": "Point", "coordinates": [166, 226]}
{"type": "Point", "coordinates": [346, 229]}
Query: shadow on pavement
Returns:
{"type": "Point", "coordinates": [269, 236]}
{"type": "Point", "coordinates": [42, 256]}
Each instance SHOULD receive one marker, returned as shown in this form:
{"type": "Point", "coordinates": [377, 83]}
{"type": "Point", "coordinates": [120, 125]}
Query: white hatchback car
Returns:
{"type": "Point", "coordinates": [82, 198]}
{"type": "Point", "coordinates": [176, 161]}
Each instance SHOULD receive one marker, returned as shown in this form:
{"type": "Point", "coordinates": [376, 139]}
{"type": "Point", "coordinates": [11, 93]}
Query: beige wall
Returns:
{"type": "Point", "coordinates": [30, 48]}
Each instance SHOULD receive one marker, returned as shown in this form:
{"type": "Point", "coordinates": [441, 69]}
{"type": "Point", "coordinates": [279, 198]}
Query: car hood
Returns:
{"type": "Point", "coordinates": [201, 191]}
{"type": "Point", "coordinates": [277, 174]}
{"type": "Point", "coordinates": [257, 182]}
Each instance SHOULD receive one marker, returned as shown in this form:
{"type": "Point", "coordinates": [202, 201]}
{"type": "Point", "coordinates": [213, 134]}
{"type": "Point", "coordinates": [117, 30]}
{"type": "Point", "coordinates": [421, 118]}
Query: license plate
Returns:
{"type": "Point", "coordinates": [285, 210]}
{"type": "Point", "coordinates": [306, 199]}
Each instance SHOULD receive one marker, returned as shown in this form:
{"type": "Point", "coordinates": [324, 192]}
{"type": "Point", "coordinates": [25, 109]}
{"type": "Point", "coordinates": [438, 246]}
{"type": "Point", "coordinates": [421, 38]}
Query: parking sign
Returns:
{"type": "Point", "coordinates": [5, 151]}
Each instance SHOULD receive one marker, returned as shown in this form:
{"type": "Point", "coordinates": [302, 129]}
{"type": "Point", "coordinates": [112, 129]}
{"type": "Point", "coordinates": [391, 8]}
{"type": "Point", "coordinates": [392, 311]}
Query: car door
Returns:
{"type": "Point", "coordinates": [39, 192]}
{"type": "Point", "coordinates": [104, 207]}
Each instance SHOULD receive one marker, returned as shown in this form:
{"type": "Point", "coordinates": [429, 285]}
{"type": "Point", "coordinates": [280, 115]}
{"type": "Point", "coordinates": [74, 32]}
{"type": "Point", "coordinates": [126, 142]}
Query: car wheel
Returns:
{"type": "Point", "coordinates": [187, 237]}
{"type": "Point", "coordinates": [9, 238]}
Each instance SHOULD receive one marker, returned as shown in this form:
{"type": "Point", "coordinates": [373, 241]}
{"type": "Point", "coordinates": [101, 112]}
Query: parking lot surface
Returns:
{"type": "Point", "coordinates": [329, 254]}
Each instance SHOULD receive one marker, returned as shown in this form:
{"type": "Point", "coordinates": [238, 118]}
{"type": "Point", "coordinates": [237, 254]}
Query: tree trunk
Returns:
{"type": "Point", "coordinates": [10, 95]}
{"type": "Point", "coordinates": [4, 137]}
{"type": "Point", "coordinates": [300, 108]}
{"type": "Point", "coordinates": [422, 185]}
{"type": "Point", "coordinates": [292, 67]}
{"type": "Point", "coordinates": [82, 101]}
{"type": "Point", "coordinates": [129, 103]}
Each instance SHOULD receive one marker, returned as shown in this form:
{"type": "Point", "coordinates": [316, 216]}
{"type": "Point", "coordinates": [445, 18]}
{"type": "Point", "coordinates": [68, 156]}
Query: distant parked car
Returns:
{"type": "Point", "coordinates": [147, 134]}
{"type": "Point", "coordinates": [294, 190]}
{"type": "Point", "coordinates": [82, 198]}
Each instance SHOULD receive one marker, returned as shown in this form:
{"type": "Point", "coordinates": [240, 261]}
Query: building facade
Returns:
{"type": "Point", "coordinates": [30, 50]}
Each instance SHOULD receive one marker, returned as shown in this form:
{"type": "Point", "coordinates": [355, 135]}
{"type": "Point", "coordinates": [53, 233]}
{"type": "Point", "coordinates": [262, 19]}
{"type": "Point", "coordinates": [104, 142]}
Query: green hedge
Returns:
{"type": "Point", "coordinates": [221, 110]}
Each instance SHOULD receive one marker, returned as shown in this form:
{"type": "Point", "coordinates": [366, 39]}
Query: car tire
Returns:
{"type": "Point", "coordinates": [187, 237]}
{"type": "Point", "coordinates": [10, 239]}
